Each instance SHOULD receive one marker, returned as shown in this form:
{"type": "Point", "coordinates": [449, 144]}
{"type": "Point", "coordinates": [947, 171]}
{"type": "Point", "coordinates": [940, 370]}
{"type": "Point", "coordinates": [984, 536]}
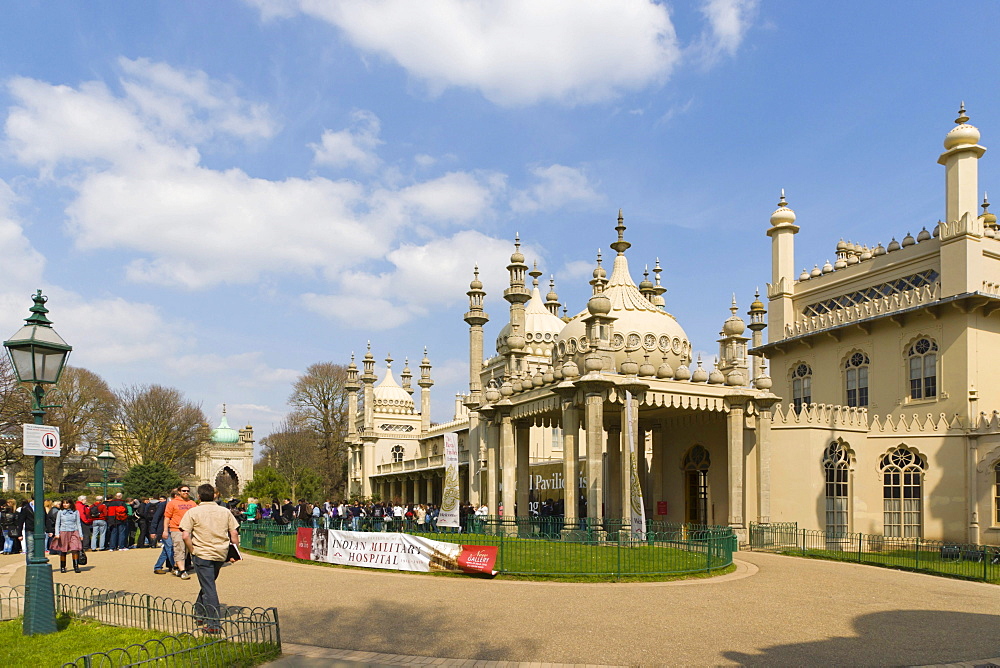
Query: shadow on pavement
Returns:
{"type": "Point", "coordinates": [904, 637]}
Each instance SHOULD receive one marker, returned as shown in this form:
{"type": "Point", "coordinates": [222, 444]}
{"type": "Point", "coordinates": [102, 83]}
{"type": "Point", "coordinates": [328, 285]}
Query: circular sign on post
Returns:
{"type": "Point", "coordinates": [50, 441]}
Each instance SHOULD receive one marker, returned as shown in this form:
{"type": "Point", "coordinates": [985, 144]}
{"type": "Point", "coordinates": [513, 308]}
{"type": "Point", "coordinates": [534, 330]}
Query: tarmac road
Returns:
{"type": "Point", "coordinates": [774, 610]}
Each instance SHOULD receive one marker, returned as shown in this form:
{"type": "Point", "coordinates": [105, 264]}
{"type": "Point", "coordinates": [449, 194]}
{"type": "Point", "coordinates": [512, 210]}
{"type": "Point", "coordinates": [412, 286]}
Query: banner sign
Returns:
{"type": "Point", "coordinates": [448, 515]}
{"type": "Point", "coordinates": [394, 551]}
{"type": "Point", "coordinates": [638, 506]}
{"type": "Point", "coordinates": [40, 440]}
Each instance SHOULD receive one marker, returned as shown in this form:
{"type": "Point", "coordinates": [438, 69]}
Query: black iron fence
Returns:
{"type": "Point", "coordinates": [963, 560]}
{"type": "Point", "coordinates": [550, 546]}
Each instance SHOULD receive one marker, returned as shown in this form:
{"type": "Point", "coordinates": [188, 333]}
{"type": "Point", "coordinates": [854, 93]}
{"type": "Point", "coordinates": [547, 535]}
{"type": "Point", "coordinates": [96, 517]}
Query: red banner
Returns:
{"type": "Point", "coordinates": [477, 558]}
{"type": "Point", "coordinates": [303, 544]}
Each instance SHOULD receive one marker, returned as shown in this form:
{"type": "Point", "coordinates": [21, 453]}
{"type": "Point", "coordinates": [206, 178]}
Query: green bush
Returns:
{"type": "Point", "coordinates": [149, 480]}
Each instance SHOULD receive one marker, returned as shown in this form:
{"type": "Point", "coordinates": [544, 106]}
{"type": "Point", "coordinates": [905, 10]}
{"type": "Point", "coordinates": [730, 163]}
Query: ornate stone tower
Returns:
{"type": "Point", "coordinates": [782, 232]}
{"type": "Point", "coordinates": [226, 460]}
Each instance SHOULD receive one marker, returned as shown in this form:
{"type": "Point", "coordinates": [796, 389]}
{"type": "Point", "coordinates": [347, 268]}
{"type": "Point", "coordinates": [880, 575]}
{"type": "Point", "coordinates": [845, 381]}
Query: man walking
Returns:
{"type": "Point", "coordinates": [165, 562]}
{"type": "Point", "coordinates": [172, 516]}
{"type": "Point", "coordinates": [85, 519]}
{"type": "Point", "coordinates": [207, 531]}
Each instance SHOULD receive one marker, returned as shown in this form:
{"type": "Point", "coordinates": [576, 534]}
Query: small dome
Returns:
{"type": "Point", "coordinates": [841, 263]}
{"type": "Point", "coordinates": [763, 382]}
{"type": "Point", "coordinates": [599, 305]}
{"type": "Point", "coordinates": [908, 240]}
{"type": "Point", "coordinates": [734, 324]}
{"type": "Point", "coordinates": [646, 369]}
{"type": "Point", "coordinates": [924, 235]}
{"type": "Point", "coordinates": [893, 245]}
{"type": "Point", "coordinates": [716, 377]}
{"type": "Point", "coordinates": [682, 373]}
{"type": "Point", "coordinates": [841, 245]}
{"type": "Point", "coordinates": [816, 272]}
{"type": "Point", "coordinates": [866, 252]}
{"type": "Point", "coordinates": [699, 375]}
{"type": "Point", "coordinates": [735, 378]}
{"type": "Point", "coordinates": [664, 371]}
{"type": "Point", "coordinates": [827, 267]}
{"type": "Point", "coordinates": [962, 135]}
{"type": "Point", "coordinates": [804, 276]}
{"type": "Point", "coordinates": [879, 250]}
{"type": "Point", "coordinates": [389, 396]}
{"type": "Point", "coordinates": [782, 216]}
{"type": "Point", "coordinates": [756, 306]}
{"type": "Point", "coordinates": [630, 367]}
{"type": "Point", "coordinates": [224, 433]}
{"type": "Point", "coordinates": [476, 284]}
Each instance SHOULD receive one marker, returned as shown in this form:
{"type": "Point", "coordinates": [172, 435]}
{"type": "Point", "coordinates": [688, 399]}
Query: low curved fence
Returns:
{"type": "Point", "coordinates": [962, 560]}
{"type": "Point", "coordinates": [549, 546]}
{"type": "Point", "coordinates": [244, 636]}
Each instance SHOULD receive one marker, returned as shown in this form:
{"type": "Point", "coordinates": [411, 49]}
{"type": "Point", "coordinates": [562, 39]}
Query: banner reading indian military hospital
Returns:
{"type": "Point", "coordinates": [394, 551]}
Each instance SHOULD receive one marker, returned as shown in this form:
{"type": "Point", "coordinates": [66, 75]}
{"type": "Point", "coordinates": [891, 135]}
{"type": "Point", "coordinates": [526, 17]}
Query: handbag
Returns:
{"type": "Point", "coordinates": [82, 559]}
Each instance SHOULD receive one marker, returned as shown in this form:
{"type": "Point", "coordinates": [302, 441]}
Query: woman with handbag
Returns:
{"type": "Point", "coordinates": [68, 535]}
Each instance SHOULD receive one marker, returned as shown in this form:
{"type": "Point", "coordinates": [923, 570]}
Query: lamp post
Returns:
{"type": "Point", "coordinates": [38, 355]}
{"type": "Point", "coordinates": [106, 460]}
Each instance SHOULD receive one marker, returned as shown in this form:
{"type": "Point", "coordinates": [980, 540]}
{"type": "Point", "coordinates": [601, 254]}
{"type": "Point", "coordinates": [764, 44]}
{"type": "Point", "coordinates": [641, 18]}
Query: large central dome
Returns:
{"type": "Point", "coordinates": [640, 327]}
{"type": "Point", "coordinates": [389, 396]}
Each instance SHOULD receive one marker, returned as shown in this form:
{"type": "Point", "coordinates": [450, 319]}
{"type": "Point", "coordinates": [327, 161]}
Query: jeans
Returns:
{"type": "Point", "coordinates": [8, 541]}
{"type": "Point", "coordinates": [28, 545]}
{"type": "Point", "coordinates": [98, 534]}
{"type": "Point", "coordinates": [355, 523]}
{"type": "Point", "coordinates": [143, 539]}
{"type": "Point", "coordinates": [166, 557]}
{"type": "Point", "coordinates": [206, 607]}
{"type": "Point", "coordinates": [86, 528]}
{"type": "Point", "coordinates": [117, 533]}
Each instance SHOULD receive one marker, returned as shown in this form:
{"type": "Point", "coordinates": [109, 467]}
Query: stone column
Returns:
{"type": "Point", "coordinates": [973, 485]}
{"type": "Point", "coordinates": [594, 423]}
{"type": "Point", "coordinates": [492, 455]}
{"type": "Point", "coordinates": [658, 484]}
{"type": "Point", "coordinates": [737, 462]}
{"type": "Point", "coordinates": [763, 446]}
{"type": "Point", "coordinates": [429, 486]}
{"type": "Point", "coordinates": [522, 438]}
{"type": "Point", "coordinates": [508, 458]}
{"type": "Point", "coordinates": [472, 445]}
{"type": "Point", "coordinates": [613, 495]}
{"type": "Point", "coordinates": [571, 454]}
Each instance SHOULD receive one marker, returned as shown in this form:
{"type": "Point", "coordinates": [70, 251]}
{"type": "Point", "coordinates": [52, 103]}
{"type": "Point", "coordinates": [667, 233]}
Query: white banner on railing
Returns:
{"type": "Point", "coordinates": [638, 506]}
{"type": "Point", "coordinates": [448, 515]}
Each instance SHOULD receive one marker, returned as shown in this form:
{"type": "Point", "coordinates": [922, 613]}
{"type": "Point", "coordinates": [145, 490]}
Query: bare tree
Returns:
{"type": "Point", "coordinates": [319, 403]}
{"type": "Point", "coordinates": [15, 410]}
{"type": "Point", "coordinates": [156, 424]}
{"type": "Point", "coordinates": [292, 451]}
{"type": "Point", "coordinates": [84, 410]}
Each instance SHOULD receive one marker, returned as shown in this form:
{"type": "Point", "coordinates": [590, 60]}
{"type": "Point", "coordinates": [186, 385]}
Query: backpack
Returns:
{"type": "Point", "coordinates": [119, 512]}
{"type": "Point", "coordinates": [150, 510]}
{"type": "Point", "coordinates": [94, 512]}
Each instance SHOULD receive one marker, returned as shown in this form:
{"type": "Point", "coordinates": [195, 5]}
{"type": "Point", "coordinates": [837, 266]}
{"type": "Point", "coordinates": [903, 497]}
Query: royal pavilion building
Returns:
{"type": "Point", "coordinates": [863, 397]}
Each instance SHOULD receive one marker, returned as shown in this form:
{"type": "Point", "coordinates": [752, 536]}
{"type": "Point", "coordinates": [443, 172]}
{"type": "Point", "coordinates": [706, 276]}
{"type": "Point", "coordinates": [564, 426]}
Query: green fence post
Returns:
{"type": "Point", "coordinates": [619, 551]}
{"type": "Point", "coordinates": [503, 531]}
{"type": "Point", "coordinates": [803, 541]}
{"type": "Point", "coordinates": [916, 554]}
{"type": "Point", "coordinates": [149, 613]}
{"type": "Point", "coordinates": [861, 538]}
{"type": "Point", "coordinates": [986, 561]}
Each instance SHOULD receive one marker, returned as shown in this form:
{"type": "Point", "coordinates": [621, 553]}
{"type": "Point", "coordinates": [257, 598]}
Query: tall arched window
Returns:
{"type": "Point", "coordinates": [696, 464]}
{"type": "Point", "coordinates": [801, 386]}
{"type": "Point", "coordinates": [396, 453]}
{"type": "Point", "coordinates": [922, 357]}
{"type": "Point", "coordinates": [996, 493]}
{"type": "Point", "coordinates": [836, 468]}
{"type": "Point", "coordinates": [856, 379]}
{"type": "Point", "coordinates": [902, 493]}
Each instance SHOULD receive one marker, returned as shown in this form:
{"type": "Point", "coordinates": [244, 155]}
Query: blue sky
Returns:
{"type": "Point", "coordinates": [216, 195]}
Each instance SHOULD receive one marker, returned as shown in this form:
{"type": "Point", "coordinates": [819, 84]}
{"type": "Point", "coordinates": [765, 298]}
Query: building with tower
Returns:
{"type": "Point", "coordinates": [860, 399]}
{"type": "Point", "coordinates": [226, 460]}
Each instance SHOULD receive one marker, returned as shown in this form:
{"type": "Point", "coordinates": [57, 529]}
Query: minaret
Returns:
{"type": "Point", "coordinates": [989, 219]}
{"type": "Point", "coordinates": [658, 288]}
{"type": "Point", "coordinates": [425, 383]}
{"type": "Point", "coordinates": [599, 319]}
{"type": "Point", "coordinates": [517, 294]}
{"type": "Point", "coordinates": [757, 325]}
{"type": "Point", "coordinates": [552, 299]}
{"type": "Point", "coordinates": [368, 382]}
{"type": "Point", "coordinates": [352, 386]}
{"type": "Point", "coordinates": [406, 376]}
{"type": "Point", "coordinates": [733, 348]}
{"type": "Point", "coordinates": [961, 168]}
{"type": "Point", "coordinates": [476, 317]}
{"type": "Point", "coordinates": [779, 290]}
{"type": "Point", "coordinates": [647, 288]}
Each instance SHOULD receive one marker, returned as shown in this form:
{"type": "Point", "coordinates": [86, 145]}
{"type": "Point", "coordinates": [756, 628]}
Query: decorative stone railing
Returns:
{"type": "Point", "coordinates": [829, 415]}
{"type": "Point", "coordinates": [899, 301]}
{"type": "Point", "coordinates": [420, 464]}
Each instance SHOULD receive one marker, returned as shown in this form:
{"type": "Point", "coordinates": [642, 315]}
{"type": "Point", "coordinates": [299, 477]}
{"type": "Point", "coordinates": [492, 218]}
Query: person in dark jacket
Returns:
{"type": "Point", "coordinates": [117, 523]}
{"type": "Point", "coordinates": [143, 514]}
{"type": "Point", "coordinates": [287, 512]}
{"type": "Point", "coordinates": [51, 511]}
{"type": "Point", "coordinates": [165, 562]}
{"type": "Point", "coordinates": [25, 525]}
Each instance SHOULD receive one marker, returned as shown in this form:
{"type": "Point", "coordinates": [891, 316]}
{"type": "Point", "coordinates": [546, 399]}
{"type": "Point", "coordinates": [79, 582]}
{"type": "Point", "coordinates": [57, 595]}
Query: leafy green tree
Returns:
{"type": "Point", "coordinates": [267, 484]}
{"type": "Point", "coordinates": [152, 479]}
{"type": "Point", "coordinates": [310, 486]}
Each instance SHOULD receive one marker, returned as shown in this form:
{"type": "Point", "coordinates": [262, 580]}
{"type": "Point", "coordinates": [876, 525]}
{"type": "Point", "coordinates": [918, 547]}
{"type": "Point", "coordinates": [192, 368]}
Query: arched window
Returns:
{"type": "Point", "coordinates": [902, 493]}
{"type": "Point", "coordinates": [922, 357]}
{"type": "Point", "coordinates": [397, 453]}
{"type": "Point", "coordinates": [801, 386]}
{"type": "Point", "coordinates": [696, 464]}
{"type": "Point", "coordinates": [836, 468]}
{"type": "Point", "coordinates": [996, 493]}
{"type": "Point", "coordinates": [856, 379]}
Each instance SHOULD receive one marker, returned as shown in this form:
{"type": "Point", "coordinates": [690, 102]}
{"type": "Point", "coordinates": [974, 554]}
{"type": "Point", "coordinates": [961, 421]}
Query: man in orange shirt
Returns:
{"type": "Point", "coordinates": [172, 515]}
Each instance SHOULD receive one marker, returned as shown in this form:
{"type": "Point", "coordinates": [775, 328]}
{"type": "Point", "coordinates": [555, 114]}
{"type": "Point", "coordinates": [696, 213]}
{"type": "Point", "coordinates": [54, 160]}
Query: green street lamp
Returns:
{"type": "Point", "coordinates": [38, 355]}
{"type": "Point", "coordinates": [106, 460]}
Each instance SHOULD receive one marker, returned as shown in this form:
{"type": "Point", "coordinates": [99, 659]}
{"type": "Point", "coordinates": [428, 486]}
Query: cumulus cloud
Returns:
{"type": "Point", "coordinates": [728, 22]}
{"type": "Point", "coordinates": [351, 147]}
{"type": "Point", "coordinates": [557, 186]}
{"type": "Point", "coordinates": [517, 52]}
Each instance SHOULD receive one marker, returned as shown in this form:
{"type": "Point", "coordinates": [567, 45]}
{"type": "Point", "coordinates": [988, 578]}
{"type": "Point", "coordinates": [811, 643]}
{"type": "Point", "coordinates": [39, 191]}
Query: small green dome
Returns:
{"type": "Point", "coordinates": [224, 433]}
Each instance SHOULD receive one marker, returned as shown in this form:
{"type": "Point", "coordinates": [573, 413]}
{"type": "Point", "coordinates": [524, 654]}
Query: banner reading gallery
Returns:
{"type": "Point", "coordinates": [395, 551]}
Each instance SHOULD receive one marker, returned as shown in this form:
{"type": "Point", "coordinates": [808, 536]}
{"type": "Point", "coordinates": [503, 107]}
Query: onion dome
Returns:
{"type": "Point", "coordinates": [716, 377]}
{"type": "Point", "coordinates": [630, 367]}
{"type": "Point", "coordinates": [841, 246]}
{"type": "Point", "coordinates": [536, 379]}
{"type": "Point", "coordinates": [516, 384]}
{"type": "Point", "coordinates": [638, 325]}
{"type": "Point", "coordinates": [699, 375]}
{"type": "Point", "coordinates": [763, 382]}
{"type": "Point", "coordinates": [908, 240]}
{"type": "Point", "coordinates": [827, 267]}
{"type": "Point", "coordinates": [599, 272]}
{"type": "Point", "coordinates": [682, 373]}
{"type": "Point", "coordinates": [841, 263]}
{"type": "Point", "coordinates": [224, 434]}
{"type": "Point", "coordinates": [804, 276]}
{"type": "Point", "coordinates": [989, 219]}
{"type": "Point", "coordinates": [390, 397]}
{"type": "Point", "coordinates": [852, 259]}
{"type": "Point", "coordinates": [962, 134]}
{"type": "Point", "coordinates": [646, 369]}
{"type": "Point", "coordinates": [506, 389]}
{"type": "Point", "coordinates": [517, 257]}
{"type": "Point", "coordinates": [664, 370]}
{"type": "Point", "coordinates": [492, 393]}
{"type": "Point", "coordinates": [570, 369]}
{"type": "Point", "coordinates": [924, 235]}
{"type": "Point", "coordinates": [646, 284]}
{"type": "Point", "coordinates": [782, 215]}
{"type": "Point", "coordinates": [476, 284]}
{"type": "Point", "coordinates": [879, 250]}
{"type": "Point", "coordinates": [893, 245]}
{"type": "Point", "coordinates": [937, 230]}
{"type": "Point", "coordinates": [757, 306]}
{"type": "Point", "coordinates": [866, 252]}
{"type": "Point", "coordinates": [549, 375]}
{"type": "Point", "coordinates": [816, 272]}
{"type": "Point", "coordinates": [734, 324]}
{"type": "Point", "coordinates": [735, 378]}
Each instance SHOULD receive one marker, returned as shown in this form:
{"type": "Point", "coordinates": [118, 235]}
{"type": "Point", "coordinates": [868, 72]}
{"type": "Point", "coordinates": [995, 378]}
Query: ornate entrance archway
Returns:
{"type": "Point", "coordinates": [227, 483]}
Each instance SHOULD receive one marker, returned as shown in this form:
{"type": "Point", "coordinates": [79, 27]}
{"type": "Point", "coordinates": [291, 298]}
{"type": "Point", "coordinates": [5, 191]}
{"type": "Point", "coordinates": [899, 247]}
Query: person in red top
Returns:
{"type": "Point", "coordinates": [82, 508]}
{"type": "Point", "coordinates": [176, 507]}
{"type": "Point", "coordinates": [98, 516]}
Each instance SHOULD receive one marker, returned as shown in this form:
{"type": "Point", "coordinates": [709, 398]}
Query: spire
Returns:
{"type": "Point", "coordinates": [621, 245]}
{"type": "Point", "coordinates": [552, 299]}
{"type": "Point", "coordinates": [962, 117]}
{"type": "Point", "coordinates": [782, 201]}
{"type": "Point", "coordinates": [406, 375]}
{"type": "Point", "coordinates": [534, 273]}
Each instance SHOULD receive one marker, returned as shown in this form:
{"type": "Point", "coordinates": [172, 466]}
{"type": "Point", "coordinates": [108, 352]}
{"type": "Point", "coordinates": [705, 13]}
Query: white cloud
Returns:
{"type": "Point", "coordinates": [516, 52]}
{"type": "Point", "coordinates": [577, 269]}
{"type": "Point", "coordinates": [241, 370]}
{"type": "Point", "coordinates": [352, 147]}
{"type": "Point", "coordinates": [558, 186]}
{"type": "Point", "coordinates": [728, 22]}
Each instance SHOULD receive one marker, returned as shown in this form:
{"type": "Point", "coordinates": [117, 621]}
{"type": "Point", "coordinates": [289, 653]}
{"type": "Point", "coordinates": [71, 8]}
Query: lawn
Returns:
{"type": "Point", "coordinates": [77, 637]}
{"type": "Point", "coordinates": [926, 561]}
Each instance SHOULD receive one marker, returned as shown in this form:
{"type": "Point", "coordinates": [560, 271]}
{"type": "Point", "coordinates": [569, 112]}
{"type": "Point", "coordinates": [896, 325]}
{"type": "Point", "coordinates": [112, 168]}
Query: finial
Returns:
{"type": "Point", "coordinates": [986, 203]}
{"type": "Point", "coordinates": [733, 308]}
{"type": "Point", "coordinates": [223, 409]}
{"type": "Point", "coordinates": [645, 271]}
{"type": "Point", "coordinates": [962, 117]}
{"type": "Point", "coordinates": [552, 282]}
{"type": "Point", "coordinates": [534, 273]}
{"type": "Point", "coordinates": [38, 311]}
{"type": "Point", "coordinates": [388, 361]}
{"type": "Point", "coordinates": [517, 240]}
{"type": "Point", "coordinates": [475, 270]}
{"type": "Point", "coordinates": [621, 245]}
{"type": "Point", "coordinates": [656, 270]}
{"type": "Point", "coordinates": [598, 259]}
{"type": "Point", "coordinates": [782, 202]}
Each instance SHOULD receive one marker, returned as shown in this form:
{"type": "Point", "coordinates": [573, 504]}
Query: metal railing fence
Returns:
{"type": "Point", "coordinates": [962, 560]}
{"type": "Point", "coordinates": [551, 546]}
{"type": "Point", "coordinates": [246, 637]}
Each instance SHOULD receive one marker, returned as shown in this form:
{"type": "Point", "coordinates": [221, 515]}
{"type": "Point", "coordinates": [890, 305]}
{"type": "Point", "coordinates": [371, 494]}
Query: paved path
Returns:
{"type": "Point", "coordinates": [774, 611]}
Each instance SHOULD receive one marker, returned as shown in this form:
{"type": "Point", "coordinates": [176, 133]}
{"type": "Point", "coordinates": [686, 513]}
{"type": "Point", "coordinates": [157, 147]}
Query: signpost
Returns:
{"type": "Point", "coordinates": [41, 440]}
{"type": "Point", "coordinates": [101, 484]}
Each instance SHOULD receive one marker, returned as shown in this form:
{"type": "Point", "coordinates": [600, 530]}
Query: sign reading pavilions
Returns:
{"type": "Point", "coordinates": [394, 551]}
